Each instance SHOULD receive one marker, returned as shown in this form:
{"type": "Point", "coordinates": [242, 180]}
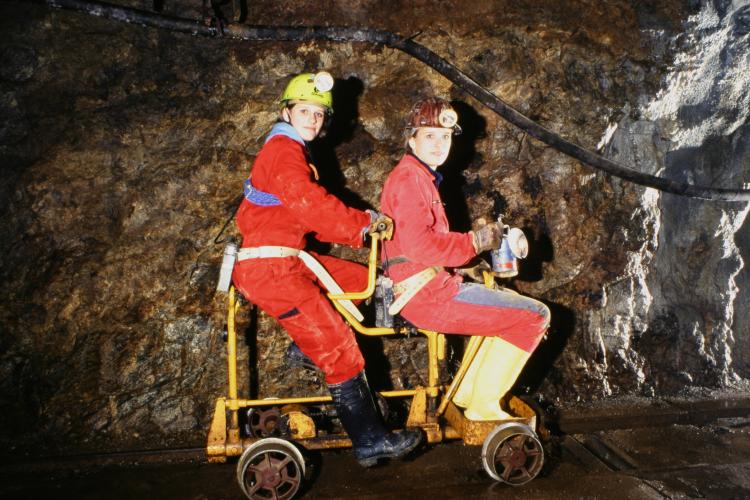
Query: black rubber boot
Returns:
{"type": "Point", "coordinates": [361, 420]}
{"type": "Point", "coordinates": [294, 357]}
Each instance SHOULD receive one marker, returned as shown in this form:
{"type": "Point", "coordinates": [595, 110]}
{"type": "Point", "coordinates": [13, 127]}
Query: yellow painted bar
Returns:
{"type": "Point", "coordinates": [471, 351]}
{"type": "Point", "coordinates": [232, 358]}
{"type": "Point", "coordinates": [432, 358]}
{"type": "Point", "coordinates": [377, 331]}
{"type": "Point", "coordinates": [372, 266]}
{"type": "Point", "coordinates": [243, 403]}
{"type": "Point", "coordinates": [398, 394]}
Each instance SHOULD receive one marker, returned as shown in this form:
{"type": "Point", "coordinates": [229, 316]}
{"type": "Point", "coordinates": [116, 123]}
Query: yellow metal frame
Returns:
{"type": "Point", "coordinates": [439, 422]}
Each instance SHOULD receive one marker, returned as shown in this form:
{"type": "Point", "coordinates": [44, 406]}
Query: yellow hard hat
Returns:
{"type": "Point", "coordinates": [310, 87]}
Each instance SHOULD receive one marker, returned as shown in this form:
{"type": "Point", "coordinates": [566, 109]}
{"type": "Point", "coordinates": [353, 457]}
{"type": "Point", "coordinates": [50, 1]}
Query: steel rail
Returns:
{"type": "Point", "coordinates": [571, 421]}
{"type": "Point", "coordinates": [423, 54]}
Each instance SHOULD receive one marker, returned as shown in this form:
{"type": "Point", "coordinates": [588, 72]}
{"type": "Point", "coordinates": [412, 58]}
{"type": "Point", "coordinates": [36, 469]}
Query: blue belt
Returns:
{"type": "Point", "coordinates": [258, 197]}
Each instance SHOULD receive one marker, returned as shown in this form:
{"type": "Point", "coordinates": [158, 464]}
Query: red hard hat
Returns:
{"type": "Point", "coordinates": [432, 112]}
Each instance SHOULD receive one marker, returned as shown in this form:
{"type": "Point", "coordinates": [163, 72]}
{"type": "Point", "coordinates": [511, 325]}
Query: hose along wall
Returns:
{"type": "Point", "coordinates": [423, 54]}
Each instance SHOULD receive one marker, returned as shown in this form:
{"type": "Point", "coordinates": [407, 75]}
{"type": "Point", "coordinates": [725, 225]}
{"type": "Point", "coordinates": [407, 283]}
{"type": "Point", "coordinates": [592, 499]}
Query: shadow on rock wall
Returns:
{"type": "Point", "coordinates": [454, 190]}
{"type": "Point", "coordinates": [344, 142]}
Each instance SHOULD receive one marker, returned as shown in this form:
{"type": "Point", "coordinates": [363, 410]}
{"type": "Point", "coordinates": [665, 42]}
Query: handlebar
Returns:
{"type": "Point", "coordinates": [372, 267]}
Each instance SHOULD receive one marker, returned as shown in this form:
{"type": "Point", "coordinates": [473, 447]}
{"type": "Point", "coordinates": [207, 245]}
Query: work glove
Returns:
{"type": "Point", "coordinates": [380, 223]}
{"type": "Point", "coordinates": [476, 272]}
{"type": "Point", "coordinates": [487, 237]}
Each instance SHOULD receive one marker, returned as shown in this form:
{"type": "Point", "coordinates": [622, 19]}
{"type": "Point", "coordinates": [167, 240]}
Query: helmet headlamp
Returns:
{"type": "Point", "coordinates": [323, 81]}
{"type": "Point", "coordinates": [448, 118]}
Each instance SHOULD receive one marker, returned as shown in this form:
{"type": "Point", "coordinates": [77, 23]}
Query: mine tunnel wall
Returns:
{"type": "Point", "coordinates": [124, 150]}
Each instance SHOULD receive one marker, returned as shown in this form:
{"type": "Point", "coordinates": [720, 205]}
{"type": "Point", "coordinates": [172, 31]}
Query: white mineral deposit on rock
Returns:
{"type": "Point", "coordinates": [708, 89]}
{"type": "Point", "coordinates": [611, 128]}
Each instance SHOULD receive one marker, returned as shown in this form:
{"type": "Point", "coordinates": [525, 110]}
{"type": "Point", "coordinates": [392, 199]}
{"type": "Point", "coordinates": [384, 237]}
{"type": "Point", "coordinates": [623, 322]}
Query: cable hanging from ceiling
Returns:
{"type": "Point", "coordinates": [423, 54]}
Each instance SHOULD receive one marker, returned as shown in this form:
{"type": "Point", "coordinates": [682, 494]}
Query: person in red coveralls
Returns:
{"type": "Point", "coordinates": [423, 245]}
{"type": "Point", "coordinates": [283, 204]}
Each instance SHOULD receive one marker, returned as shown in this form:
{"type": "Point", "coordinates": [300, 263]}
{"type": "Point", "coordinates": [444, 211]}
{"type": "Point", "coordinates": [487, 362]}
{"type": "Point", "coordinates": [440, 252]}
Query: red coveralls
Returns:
{"type": "Point", "coordinates": [284, 287]}
{"type": "Point", "coordinates": [446, 304]}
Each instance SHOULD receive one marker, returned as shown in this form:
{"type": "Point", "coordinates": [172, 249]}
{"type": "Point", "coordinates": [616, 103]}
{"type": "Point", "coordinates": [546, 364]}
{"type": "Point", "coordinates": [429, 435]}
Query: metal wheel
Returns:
{"type": "Point", "coordinates": [271, 469]}
{"type": "Point", "coordinates": [263, 423]}
{"type": "Point", "coordinates": [512, 454]}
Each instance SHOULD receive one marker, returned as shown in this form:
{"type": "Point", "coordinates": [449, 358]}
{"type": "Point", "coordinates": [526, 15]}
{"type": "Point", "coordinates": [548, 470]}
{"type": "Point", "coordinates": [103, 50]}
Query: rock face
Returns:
{"type": "Point", "coordinates": [677, 318]}
{"type": "Point", "coordinates": [124, 150]}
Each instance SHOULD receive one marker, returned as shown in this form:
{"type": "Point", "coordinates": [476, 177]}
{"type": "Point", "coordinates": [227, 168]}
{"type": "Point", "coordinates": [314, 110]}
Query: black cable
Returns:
{"type": "Point", "coordinates": [229, 219]}
{"type": "Point", "coordinates": [414, 49]}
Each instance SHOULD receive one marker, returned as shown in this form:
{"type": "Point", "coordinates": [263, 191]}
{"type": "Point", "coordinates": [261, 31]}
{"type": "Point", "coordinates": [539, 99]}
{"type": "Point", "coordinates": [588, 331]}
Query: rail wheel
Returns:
{"type": "Point", "coordinates": [512, 454]}
{"type": "Point", "coordinates": [271, 469]}
{"type": "Point", "coordinates": [264, 423]}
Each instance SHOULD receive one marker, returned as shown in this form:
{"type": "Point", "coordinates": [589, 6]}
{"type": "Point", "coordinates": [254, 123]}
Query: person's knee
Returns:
{"type": "Point", "coordinates": [545, 316]}
{"type": "Point", "coordinates": [342, 363]}
{"type": "Point", "coordinates": [537, 327]}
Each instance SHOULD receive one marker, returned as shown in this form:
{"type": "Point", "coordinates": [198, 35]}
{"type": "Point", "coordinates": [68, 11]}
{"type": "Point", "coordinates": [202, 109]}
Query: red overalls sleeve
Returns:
{"type": "Point", "coordinates": [416, 218]}
{"type": "Point", "coordinates": [324, 214]}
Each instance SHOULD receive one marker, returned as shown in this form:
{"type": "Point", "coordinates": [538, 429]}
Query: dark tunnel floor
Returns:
{"type": "Point", "coordinates": [696, 449]}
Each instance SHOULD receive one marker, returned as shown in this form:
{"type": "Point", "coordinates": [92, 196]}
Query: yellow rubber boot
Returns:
{"type": "Point", "coordinates": [501, 365]}
{"type": "Point", "coordinates": [466, 387]}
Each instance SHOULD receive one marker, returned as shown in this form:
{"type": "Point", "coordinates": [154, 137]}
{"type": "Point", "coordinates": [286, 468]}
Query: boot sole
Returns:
{"type": "Point", "coordinates": [372, 461]}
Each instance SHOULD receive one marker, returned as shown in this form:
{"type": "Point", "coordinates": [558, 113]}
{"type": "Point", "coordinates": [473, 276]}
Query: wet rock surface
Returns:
{"type": "Point", "coordinates": [124, 149]}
